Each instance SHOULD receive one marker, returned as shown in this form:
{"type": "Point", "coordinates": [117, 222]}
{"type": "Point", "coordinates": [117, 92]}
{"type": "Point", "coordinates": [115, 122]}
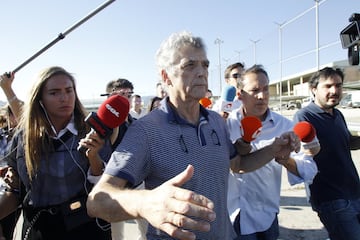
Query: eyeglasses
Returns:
{"type": "Point", "coordinates": [236, 75]}
{"type": "Point", "coordinates": [123, 93]}
{"type": "Point", "coordinates": [215, 138]}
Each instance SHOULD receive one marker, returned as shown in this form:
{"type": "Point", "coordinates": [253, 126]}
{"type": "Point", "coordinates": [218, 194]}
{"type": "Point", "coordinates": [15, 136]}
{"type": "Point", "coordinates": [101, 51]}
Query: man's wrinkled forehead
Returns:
{"type": "Point", "coordinates": [190, 54]}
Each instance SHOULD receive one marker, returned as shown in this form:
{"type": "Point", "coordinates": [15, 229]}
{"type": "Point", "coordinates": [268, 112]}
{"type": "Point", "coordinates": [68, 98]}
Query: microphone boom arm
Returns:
{"type": "Point", "coordinates": [62, 35]}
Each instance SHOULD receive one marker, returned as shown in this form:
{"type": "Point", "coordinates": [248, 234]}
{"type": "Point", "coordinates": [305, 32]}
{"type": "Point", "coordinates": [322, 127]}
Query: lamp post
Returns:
{"type": "Point", "coordinates": [218, 41]}
{"type": "Point", "coordinates": [280, 25]}
{"type": "Point", "coordinates": [317, 34]}
{"type": "Point", "coordinates": [254, 42]}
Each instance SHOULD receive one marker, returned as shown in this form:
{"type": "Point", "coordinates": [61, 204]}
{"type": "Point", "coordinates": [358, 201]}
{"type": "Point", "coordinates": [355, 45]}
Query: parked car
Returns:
{"type": "Point", "coordinates": [346, 101]}
{"type": "Point", "coordinates": [350, 100]}
{"type": "Point", "coordinates": [306, 102]}
{"type": "Point", "coordinates": [291, 105]}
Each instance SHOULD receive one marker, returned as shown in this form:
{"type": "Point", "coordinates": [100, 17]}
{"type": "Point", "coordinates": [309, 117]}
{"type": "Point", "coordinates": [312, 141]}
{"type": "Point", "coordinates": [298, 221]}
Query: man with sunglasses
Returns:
{"type": "Point", "coordinates": [121, 86]}
{"type": "Point", "coordinates": [124, 88]}
{"type": "Point", "coordinates": [233, 73]}
{"type": "Point", "coordinates": [232, 77]}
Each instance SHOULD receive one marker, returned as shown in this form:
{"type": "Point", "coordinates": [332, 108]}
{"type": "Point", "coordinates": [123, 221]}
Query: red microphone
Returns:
{"type": "Point", "coordinates": [305, 131]}
{"type": "Point", "coordinates": [111, 114]}
{"type": "Point", "coordinates": [205, 102]}
{"type": "Point", "coordinates": [250, 128]}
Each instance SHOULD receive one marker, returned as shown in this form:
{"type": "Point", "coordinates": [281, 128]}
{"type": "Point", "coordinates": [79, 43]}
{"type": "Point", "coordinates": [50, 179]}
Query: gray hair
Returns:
{"type": "Point", "coordinates": [169, 48]}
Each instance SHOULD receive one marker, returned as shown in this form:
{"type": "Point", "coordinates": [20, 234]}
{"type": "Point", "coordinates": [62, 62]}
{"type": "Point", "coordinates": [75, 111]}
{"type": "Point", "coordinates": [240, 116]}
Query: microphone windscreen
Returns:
{"type": "Point", "coordinates": [305, 131]}
{"type": "Point", "coordinates": [113, 111]}
{"type": "Point", "coordinates": [250, 128]}
{"type": "Point", "coordinates": [228, 93]}
{"type": "Point", "coordinates": [205, 102]}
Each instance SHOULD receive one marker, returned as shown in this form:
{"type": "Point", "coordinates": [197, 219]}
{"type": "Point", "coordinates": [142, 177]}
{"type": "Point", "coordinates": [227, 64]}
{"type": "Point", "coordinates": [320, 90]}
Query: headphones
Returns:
{"type": "Point", "coordinates": [107, 226]}
{"type": "Point", "coordinates": [47, 118]}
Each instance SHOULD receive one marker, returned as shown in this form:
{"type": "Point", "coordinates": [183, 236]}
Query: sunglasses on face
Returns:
{"type": "Point", "coordinates": [236, 75]}
{"type": "Point", "coordinates": [123, 93]}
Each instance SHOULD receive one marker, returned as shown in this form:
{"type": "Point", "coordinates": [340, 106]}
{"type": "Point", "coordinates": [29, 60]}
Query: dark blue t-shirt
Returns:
{"type": "Point", "coordinates": [337, 177]}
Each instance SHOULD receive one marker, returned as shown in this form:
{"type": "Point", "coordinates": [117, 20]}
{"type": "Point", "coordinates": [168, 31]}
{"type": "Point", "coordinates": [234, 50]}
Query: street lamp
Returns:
{"type": "Point", "coordinates": [317, 34]}
{"type": "Point", "coordinates": [280, 25]}
{"type": "Point", "coordinates": [254, 42]}
{"type": "Point", "coordinates": [218, 41]}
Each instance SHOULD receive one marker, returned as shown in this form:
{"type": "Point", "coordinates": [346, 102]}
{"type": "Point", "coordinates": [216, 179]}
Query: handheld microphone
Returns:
{"type": "Point", "coordinates": [305, 131]}
{"type": "Point", "coordinates": [307, 134]}
{"type": "Point", "coordinates": [227, 97]}
{"type": "Point", "coordinates": [205, 102]}
{"type": "Point", "coordinates": [111, 114]}
{"type": "Point", "coordinates": [250, 128]}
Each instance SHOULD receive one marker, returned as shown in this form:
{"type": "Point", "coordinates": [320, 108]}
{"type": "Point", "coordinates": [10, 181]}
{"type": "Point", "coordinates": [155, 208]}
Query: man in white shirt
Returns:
{"type": "Point", "coordinates": [256, 194]}
{"type": "Point", "coordinates": [136, 110]}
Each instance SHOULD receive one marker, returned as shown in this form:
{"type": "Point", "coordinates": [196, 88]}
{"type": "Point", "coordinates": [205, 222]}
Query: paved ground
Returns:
{"type": "Point", "coordinates": [296, 219]}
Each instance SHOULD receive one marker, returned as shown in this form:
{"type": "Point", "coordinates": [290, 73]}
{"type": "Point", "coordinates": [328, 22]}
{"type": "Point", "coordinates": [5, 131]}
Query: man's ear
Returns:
{"type": "Point", "coordinates": [238, 94]}
{"type": "Point", "coordinates": [313, 91]}
{"type": "Point", "coordinates": [165, 78]}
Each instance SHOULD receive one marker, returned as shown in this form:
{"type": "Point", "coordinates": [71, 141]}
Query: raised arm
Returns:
{"type": "Point", "coordinates": [14, 103]}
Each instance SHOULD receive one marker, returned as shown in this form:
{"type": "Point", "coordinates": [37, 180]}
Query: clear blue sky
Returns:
{"type": "Point", "coordinates": [121, 40]}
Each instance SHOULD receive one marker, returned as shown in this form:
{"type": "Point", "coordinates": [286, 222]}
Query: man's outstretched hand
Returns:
{"type": "Point", "coordinates": [170, 208]}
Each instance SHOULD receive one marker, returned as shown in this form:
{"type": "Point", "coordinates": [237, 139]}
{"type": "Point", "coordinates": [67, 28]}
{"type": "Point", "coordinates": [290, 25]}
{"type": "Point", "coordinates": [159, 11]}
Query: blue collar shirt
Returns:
{"type": "Point", "coordinates": [161, 144]}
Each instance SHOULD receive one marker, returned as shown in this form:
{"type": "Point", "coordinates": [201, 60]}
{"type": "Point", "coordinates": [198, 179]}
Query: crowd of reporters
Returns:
{"type": "Point", "coordinates": [211, 182]}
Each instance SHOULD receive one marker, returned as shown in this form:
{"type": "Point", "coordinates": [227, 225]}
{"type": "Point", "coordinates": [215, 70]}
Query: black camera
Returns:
{"type": "Point", "coordinates": [350, 38]}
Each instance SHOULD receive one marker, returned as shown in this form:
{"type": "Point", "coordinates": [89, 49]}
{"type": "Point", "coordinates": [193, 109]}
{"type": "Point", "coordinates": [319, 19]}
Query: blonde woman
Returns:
{"type": "Point", "coordinates": [47, 174]}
